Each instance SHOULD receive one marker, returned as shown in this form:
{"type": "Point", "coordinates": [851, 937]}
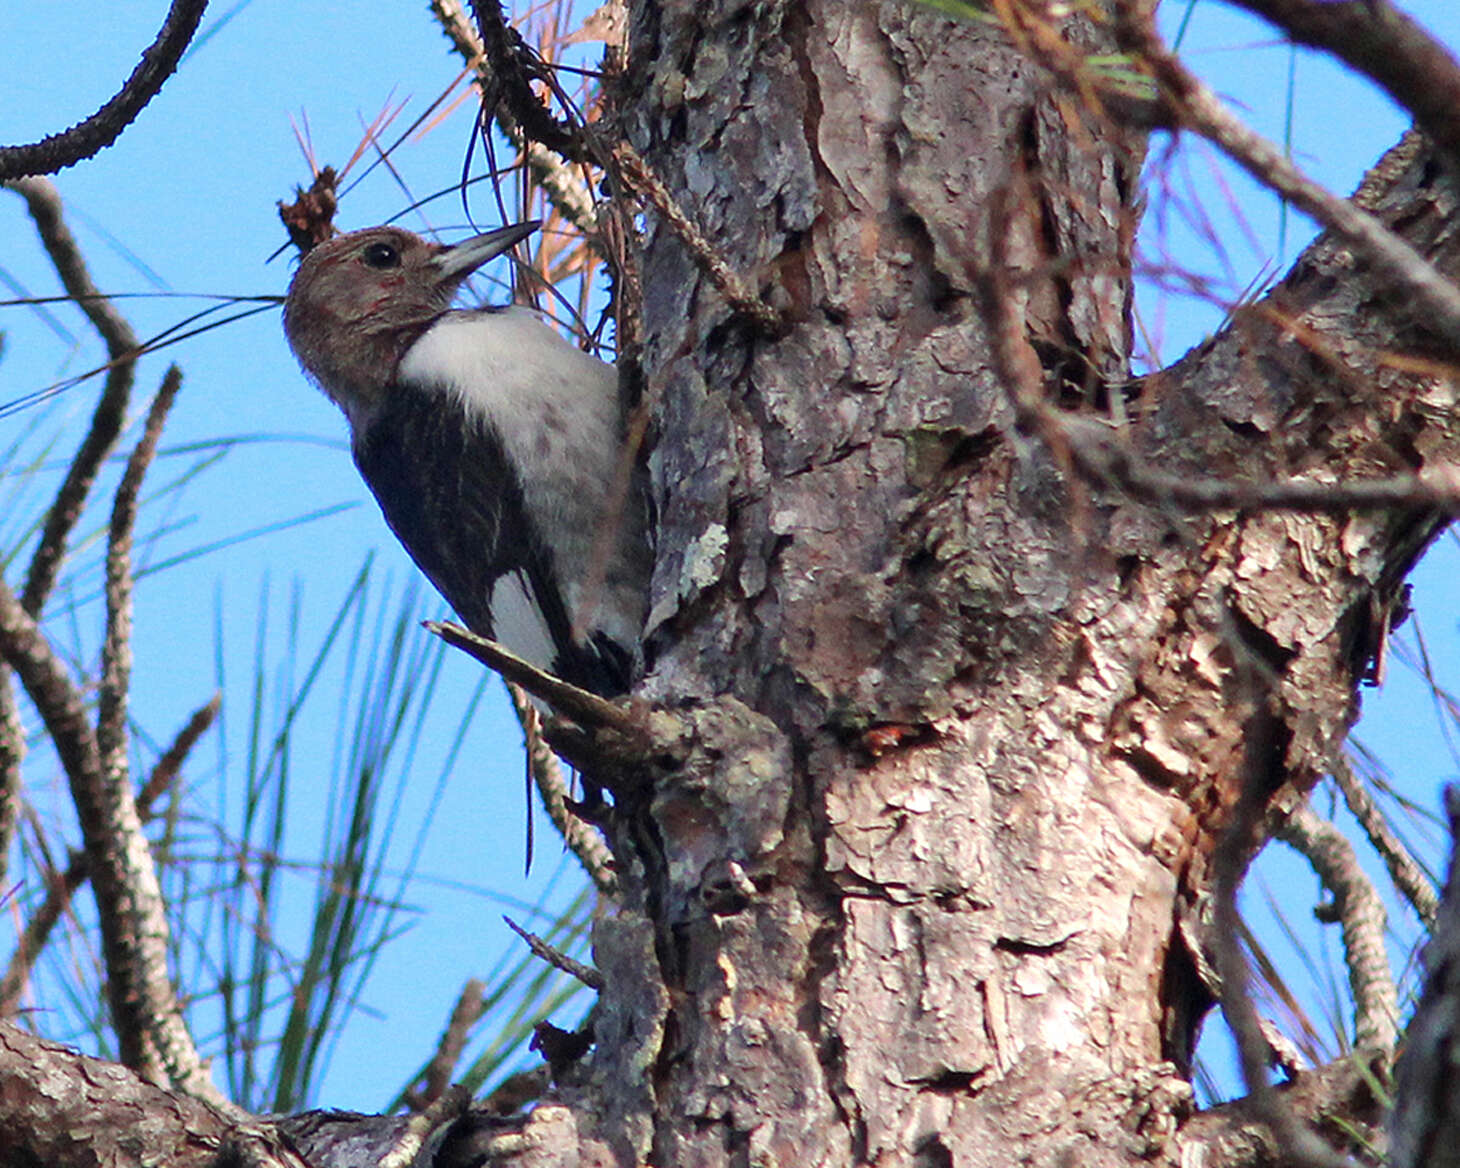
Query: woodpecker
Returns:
{"type": "Point", "coordinates": [490, 442]}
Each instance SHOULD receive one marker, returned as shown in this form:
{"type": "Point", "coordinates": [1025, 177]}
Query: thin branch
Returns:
{"type": "Point", "coordinates": [563, 182]}
{"type": "Point", "coordinates": [12, 754]}
{"type": "Point", "coordinates": [1300, 1145]}
{"type": "Point", "coordinates": [102, 128]}
{"type": "Point", "coordinates": [581, 705]}
{"type": "Point", "coordinates": [513, 67]}
{"type": "Point", "coordinates": [116, 654]}
{"type": "Point", "coordinates": [1385, 45]}
{"type": "Point", "coordinates": [556, 958]}
{"type": "Point", "coordinates": [44, 204]}
{"type": "Point", "coordinates": [1362, 918]}
{"type": "Point", "coordinates": [63, 887]}
{"type": "Point", "coordinates": [1407, 875]}
{"type": "Point", "coordinates": [547, 775]}
{"type": "Point", "coordinates": [1435, 299]}
{"type": "Point", "coordinates": [1101, 454]}
{"type": "Point", "coordinates": [165, 769]}
{"type": "Point", "coordinates": [146, 1013]}
{"type": "Point", "coordinates": [649, 187]}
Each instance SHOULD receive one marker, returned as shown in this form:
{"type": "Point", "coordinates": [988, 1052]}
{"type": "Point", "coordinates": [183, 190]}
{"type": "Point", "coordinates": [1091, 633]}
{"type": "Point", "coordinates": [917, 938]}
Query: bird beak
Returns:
{"type": "Point", "coordinates": [463, 258]}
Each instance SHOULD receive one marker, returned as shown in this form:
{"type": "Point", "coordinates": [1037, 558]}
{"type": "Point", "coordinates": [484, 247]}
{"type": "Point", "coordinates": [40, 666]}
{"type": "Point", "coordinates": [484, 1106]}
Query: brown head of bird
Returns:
{"type": "Point", "coordinates": [360, 300]}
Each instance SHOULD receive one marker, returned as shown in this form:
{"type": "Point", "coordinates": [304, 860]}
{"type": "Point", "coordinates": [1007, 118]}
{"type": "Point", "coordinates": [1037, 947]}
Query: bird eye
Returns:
{"type": "Point", "coordinates": [380, 255]}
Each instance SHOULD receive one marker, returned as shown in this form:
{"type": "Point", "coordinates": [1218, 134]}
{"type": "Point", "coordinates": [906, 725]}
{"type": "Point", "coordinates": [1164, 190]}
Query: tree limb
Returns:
{"type": "Point", "coordinates": [60, 1107]}
{"type": "Point", "coordinates": [1387, 46]}
{"type": "Point", "coordinates": [1361, 915]}
{"type": "Point", "coordinates": [1407, 875]}
{"type": "Point", "coordinates": [64, 885]}
{"type": "Point", "coordinates": [101, 129]}
{"type": "Point", "coordinates": [44, 204]}
{"type": "Point", "coordinates": [1197, 108]}
{"type": "Point", "coordinates": [547, 776]}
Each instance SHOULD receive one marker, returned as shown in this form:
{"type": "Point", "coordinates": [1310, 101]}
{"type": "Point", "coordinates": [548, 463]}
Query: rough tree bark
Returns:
{"type": "Point", "coordinates": [938, 893]}
{"type": "Point", "coordinates": [960, 729]}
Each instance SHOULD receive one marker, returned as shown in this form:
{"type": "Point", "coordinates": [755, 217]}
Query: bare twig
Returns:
{"type": "Point", "coordinates": [165, 769]}
{"type": "Point", "coordinates": [547, 775]}
{"type": "Point", "coordinates": [556, 958]}
{"type": "Point", "coordinates": [437, 1076]}
{"type": "Point", "coordinates": [1386, 45]}
{"type": "Point", "coordinates": [1101, 453]}
{"type": "Point", "coordinates": [152, 1035]}
{"type": "Point", "coordinates": [1362, 918]}
{"type": "Point", "coordinates": [648, 186]}
{"type": "Point", "coordinates": [1300, 1145]}
{"type": "Point", "coordinates": [1196, 107]}
{"type": "Point", "coordinates": [44, 205]}
{"type": "Point", "coordinates": [1407, 875]}
{"type": "Point", "coordinates": [63, 886]}
{"type": "Point", "coordinates": [116, 654]}
{"type": "Point", "coordinates": [562, 181]}
{"type": "Point", "coordinates": [102, 128]}
{"type": "Point", "coordinates": [12, 754]}
{"type": "Point", "coordinates": [586, 708]}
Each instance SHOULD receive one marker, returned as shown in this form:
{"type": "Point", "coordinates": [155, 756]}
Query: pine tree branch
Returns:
{"type": "Point", "coordinates": [1362, 918]}
{"type": "Point", "coordinates": [64, 886]}
{"type": "Point", "coordinates": [1385, 45]}
{"type": "Point", "coordinates": [1197, 108]}
{"type": "Point", "coordinates": [1407, 875]}
{"type": "Point", "coordinates": [547, 776]}
{"type": "Point", "coordinates": [44, 204]}
{"type": "Point", "coordinates": [101, 129]}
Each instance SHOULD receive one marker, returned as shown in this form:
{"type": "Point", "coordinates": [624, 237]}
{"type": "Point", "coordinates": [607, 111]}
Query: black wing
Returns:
{"type": "Point", "coordinates": [455, 503]}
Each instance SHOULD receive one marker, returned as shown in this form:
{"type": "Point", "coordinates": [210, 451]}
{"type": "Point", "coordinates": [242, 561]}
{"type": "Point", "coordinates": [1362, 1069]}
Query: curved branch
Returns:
{"type": "Point", "coordinates": [101, 129]}
{"type": "Point", "coordinates": [514, 68]}
{"type": "Point", "coordinates": [1388, 47]}
{"type": "Point", "coordinates": [1197, 108]}
{"type": "Point", "coordinates": [122, 346]}
{"type": "Point", "coordinates": [145, 1009]}
{"type": "Point", "coordinates": [562, 182]}
{"type": "Point", "coordinates": [1408, 876]}
{"type": "Point", "coordinates": [547, 775]}
{"type": "Point", "coordinates": [1361, 914]}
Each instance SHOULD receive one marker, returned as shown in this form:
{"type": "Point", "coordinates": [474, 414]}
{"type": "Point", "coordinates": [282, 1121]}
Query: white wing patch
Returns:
{"type": "Point", "coordinates": [518, 623]}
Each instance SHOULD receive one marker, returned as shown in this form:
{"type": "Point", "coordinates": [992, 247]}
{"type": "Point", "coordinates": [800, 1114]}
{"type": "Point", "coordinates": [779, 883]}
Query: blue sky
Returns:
{"type": "Point", "coordinates": [185, 202]}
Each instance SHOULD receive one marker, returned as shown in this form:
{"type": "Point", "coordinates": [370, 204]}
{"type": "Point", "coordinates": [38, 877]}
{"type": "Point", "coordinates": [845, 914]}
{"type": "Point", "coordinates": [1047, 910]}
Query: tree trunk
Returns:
{"type": "Point", "coordinates": [956, 732]}
{"type": "Point", "coordinates": [970, 727]}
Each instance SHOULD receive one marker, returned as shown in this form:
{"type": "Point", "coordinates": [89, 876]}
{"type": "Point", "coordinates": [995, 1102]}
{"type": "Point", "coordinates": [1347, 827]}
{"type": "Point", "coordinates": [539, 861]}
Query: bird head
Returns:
{"type": "Point", "coordinates": [359, 301]}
